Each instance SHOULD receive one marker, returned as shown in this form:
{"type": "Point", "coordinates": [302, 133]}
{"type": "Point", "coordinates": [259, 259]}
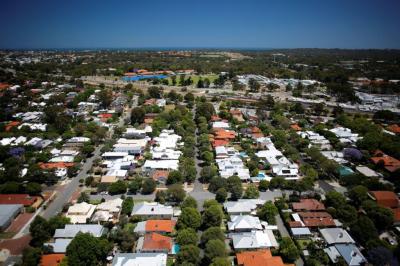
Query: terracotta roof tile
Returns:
{"type": "Point", "coordinates": [160, 226]}
{"type": "Point", "coordinates": [154, 241]}
{"type": "Point", "coordinates": [387, 199]}
{"type": "Point", "coordinates": [309, 205]}
{"type": "Point", "coordinates": [258, 258]}
{"type": "Point", "coordinates": [51, 259]}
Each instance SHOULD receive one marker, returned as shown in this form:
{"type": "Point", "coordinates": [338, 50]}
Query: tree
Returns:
{"type": "Point", "coordinates": [212, 216]}
{"type": "Point", "coordinates": [149, 185]}
{"type": "Point", "coordinates": [87, 250]}
{"type": "Point", "coordinates": [251, 192]}
{"type": "Point", "coordinates": [235, 187]}
{"type": "Point", "coordinates": [220, 262]}
{"type": "Point", "coordinates": [33, 188]}
{"type": "Point", "coordinates": [105, 97]}
{"type": "Point", "coordinates": [189, 218]}
{"type": "Point", "coordinates": [381, 216]}
{"type": "Point", "coordinates": [161, 196]}
{"type": "Point", "coordinates": [189, 202]}
{"type": "Point", "coordinates": [155, 92]}
{"type": "Point", "coordinates": [288, 250]}
{"type": "Point", "coordinates": [254, 85]}
{"type": "Point", "coordinates": [127, 206]}
{"type": "Point", "coordinates": [31, 256]}
{"type": "Point", "coordinates": [135, 185]}
{"type": "Point", "coordinates": [358, 194]}
{"type": "Point", "coordinates": [176, 193]}
{"type": "Point", "coordinates": [215, 248]}
{"type": "Point", "coordinates": [188, 254]}
{"type": "Point", "coordinates": [216, 183]}
{"type": "Point", "coordinates": [39, 230]}
{"type": "Point", "coordinates": [221, 195]}
{"type": "Point", "coordinates": [57, 222]}
{"type": "Point", "coordinates": [187, 236]}
{"type": "Point", "coordinates": [137, 115]}
{"type": "Point", "coordinates": [84, 197]}
{"type": "Point", "coordinates": [118, 187]}
{"type": "Point", "coordinates": [335, 199]}
{"type": "Point", "coordinates": [174, 177]}
{"type": "Point", "coordinates": [364, 229]}
{"type": "Point", "coordinates": [263, 185]}
{"type": "Point", "coordinates": [380, 256]}
{"type": "Point", "coordinates": [268, 212]}
{"type": "Point", "coordinates": [211, 233]}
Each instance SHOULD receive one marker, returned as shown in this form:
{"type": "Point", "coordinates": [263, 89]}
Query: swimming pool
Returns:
{"type": "Point", "coordinates": [175, 248]}
{"type": "Point", "coordinates": [140, 77]}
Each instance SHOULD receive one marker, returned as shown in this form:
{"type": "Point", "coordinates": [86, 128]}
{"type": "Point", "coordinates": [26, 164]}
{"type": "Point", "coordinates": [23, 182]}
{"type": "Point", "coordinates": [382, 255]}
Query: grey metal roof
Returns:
{"type": "Point", "coordinates": [59, 245]}
{"type": "Point", "coordinates": [351, 254]}
{"type": "Point", "coordinates": [336, 236]}
{"type": "Point", "coordinates": [7, 212]}
{"type": "Point", "coordinates": [71, 230]}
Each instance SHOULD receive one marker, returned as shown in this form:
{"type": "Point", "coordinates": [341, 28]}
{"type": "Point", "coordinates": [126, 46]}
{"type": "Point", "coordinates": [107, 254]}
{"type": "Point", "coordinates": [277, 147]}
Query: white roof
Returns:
{"type": "Point", "coordinates": [220, 124]}
{"type": "Point", "coordinates": [71, 230]}
{"type": "Point", "coordinates": [114, 154]}
{"type": "Point", "coordinates": [139, 259]}
{"type": "Point", "coordinates": [300, 231]}
{"type": "Point", "coordinates": [253, 240]}
{"type": "Point", "coordinates": [368, 172]}
{"type": "Point", "coordinates": [243, 205]}
{"type": "Point", "coordinates": [151, 208]}
{"type": "Point", "coordinates": [113, 205]}
{"type": "Point", "coordinates": [78, 139]}
{"type": "Point", "coordinates": [336, 236]}
{"type": "Point", "coordinates": [244, 222]}
{"type": "Point", "coordinates": [161, 164]}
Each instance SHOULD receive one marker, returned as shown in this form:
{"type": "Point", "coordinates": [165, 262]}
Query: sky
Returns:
{"type": "Point", "coordinates": [352, 24]}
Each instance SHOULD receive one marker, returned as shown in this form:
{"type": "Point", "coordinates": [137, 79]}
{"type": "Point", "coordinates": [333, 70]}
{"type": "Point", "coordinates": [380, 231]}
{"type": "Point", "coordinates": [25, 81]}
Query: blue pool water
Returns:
{"type": "Point", "coordinates": [175, 248]}
{"type": "Point", "coordinates": [139, 77]}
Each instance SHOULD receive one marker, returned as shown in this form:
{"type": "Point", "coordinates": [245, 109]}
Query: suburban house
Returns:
{"type": "Point", "coordinates": [334, 236]}
{"type": "Point", "coordinates": [80, 213]}
{"type": "Point", "coordinates": [62, 237]}
{"type": "Point", "coordinates": [259, 258]}
{"type": "Point", "coordinates": [308, 205]}
{"type": "Point", "coordinates": [152, 210]}
{"type": "Point", "coordinates": [155, 226]}
{"type": "Point", "coordinates": [108, 210]}
{"type": "Point", "coordinates": [136, 259]}
{"type": "Point", "coordinates": [242, 206]}
{"type": "Point", "coordinates": [253, 240]}
{"type": "Point", "coordinates": [244, 223]}
{"type": "Point", "coordinates": [349, 252]}
{"type": "Point", "coordinates": [51, 259]}
{"type": "Point", "coordinates": [8, 212]}
{"type": "Point", "coordinates": [154, 243]}
{"type": "Point", "coordinates": [388, 162]}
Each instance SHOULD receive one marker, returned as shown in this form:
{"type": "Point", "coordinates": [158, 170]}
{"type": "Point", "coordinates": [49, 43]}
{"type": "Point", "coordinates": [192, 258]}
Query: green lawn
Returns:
{"type": "Point", "coordinates": [170, 262]}
{"type": "Point", "coordinates": [195, 78]}
{"type": "Point", "coordinates": [7, 235]}
{"type": "Point", "coordinates": [303, 243]}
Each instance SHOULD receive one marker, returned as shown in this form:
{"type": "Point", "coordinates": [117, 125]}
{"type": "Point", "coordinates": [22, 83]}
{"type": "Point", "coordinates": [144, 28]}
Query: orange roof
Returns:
{"type": "Point", "coordinates": [105, 115]}
{"type": "Point", "coordinates": [4, 86]}
{"type": "Point", "coordinates": [150, 102]}
{"type": "Point", "coordinates": [309, 205]}
{"type": "Point", "coordinates": [11, 125]}
{"type": "Point", "coordinates": [391, 164]}
{"type": "Point", "coordinates": [154, 241]}
{"type": "Point", "coordinates": [23, 199]}
{"type": "Point", "coordinates": [160, 174]}
{"type": "Point", "coordinates": [387, 199]}
{"type": "Point", "coordinates": [225, 134]}
{"type": "Point", "coordinates": [258, 258]}
{"type": "Point", "coordinates": [255, 130]}
{"type": "Point", "coordinates": [257, 135]}
{"type": "Point", "coordinates": [51, 259]}
{"type": "Point", "coordinates": [160, 226]}
{"type": "Point", "coordinates": [396, 213]}
{"type": "Point", "coordinates": [219, 142]}
{"type": "Point", "coordinates": [55, 165]}
{"type": "Point", "coordinates": [394, 128]}
{"type": "Point", "coordinates": [295, 127]}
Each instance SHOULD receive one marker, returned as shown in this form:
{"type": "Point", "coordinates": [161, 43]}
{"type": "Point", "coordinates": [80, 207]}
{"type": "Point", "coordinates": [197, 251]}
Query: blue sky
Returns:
{"type": "Point", "coordinates": [201, 23]}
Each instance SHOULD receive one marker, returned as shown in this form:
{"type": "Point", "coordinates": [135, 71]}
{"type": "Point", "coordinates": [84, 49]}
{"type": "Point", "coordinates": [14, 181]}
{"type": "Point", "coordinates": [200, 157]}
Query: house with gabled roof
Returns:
{"type": "Point", "coordinates": [152, 210]}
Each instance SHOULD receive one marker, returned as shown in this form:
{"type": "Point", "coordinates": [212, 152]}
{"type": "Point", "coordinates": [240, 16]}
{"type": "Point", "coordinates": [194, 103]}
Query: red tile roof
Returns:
{"type": "Point", "coordinates": [154, 241]}
{"type": "Point", "coordinates": [11, 125]}
{"type": "Point", "coordinates": [55, 165]}
{"type": "Point", "coordinates": [225, 134]}
{"type": "Point", "coordinates": [24, 199]}
{"type": "Point", "coordinates": [159, 174]}
{"type": "Point", "coordinates": [259, 258]}
{"type": "Point", "coordinates": [105, 115]}
{"type": "Point", "coordinates": [387, 199]}
{"type": "Point", "coordinates": [219, 142]}
{"type": "Point", "coordinates": [4, 86]}
{"type": "Point", "coordinates": [396, 214]}
{"type": "Point", "coordinates": [308, 205]}
{"type": "Point", "coordinates": [295, 127]}
{"type": "Point", "coordinates": [391, 164]}
{"type": "Point", "coordinates": [317, 219]}
{"type": "Point", "coordinates": [160, 226]}
{"type": "Point", "coordinates": [51, 259]}
{"type": "Point", "coordinates": [394, 128]}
